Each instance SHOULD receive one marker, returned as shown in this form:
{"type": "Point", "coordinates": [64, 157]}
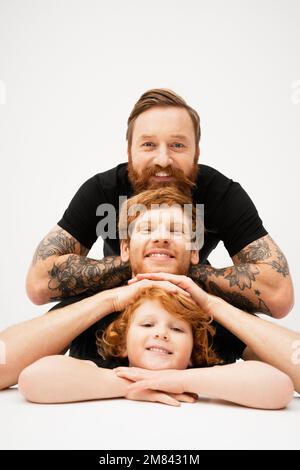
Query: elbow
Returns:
{"type": "Point", "coordinates": [35, 290]}
{"type": "Point", "coordinates": [34, 383]}
{"type": "Point", "coordinates": [282, 301]}
{"type": "Point", "coordinates": [271, 388]}
{"type": "Point", "coordinates": [27, 385]}
{"type": "Point", "coordinates": [284, 392]}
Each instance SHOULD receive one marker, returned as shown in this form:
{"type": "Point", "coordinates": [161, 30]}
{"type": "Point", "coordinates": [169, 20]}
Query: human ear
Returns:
{"type": "Point", "coordinates": [124, 248]}
{"type": "Point", "coordinates": [194, 257]}
{"type": "Point", "coordinates": [197, 153]}
{"type": "Point", "coordinates": [124, 353]}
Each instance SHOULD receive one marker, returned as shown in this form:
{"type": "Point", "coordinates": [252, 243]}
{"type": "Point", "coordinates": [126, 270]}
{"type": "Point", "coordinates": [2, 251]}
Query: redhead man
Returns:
{"type": "Point", "coordinates": [163, 149]}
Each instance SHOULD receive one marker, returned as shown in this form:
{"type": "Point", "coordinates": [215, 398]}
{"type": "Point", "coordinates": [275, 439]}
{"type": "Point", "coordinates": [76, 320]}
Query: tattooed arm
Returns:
{"type": "Point", "coordinates": [259, 281]}
{"type": "Point", "coordinates": [61, 269]}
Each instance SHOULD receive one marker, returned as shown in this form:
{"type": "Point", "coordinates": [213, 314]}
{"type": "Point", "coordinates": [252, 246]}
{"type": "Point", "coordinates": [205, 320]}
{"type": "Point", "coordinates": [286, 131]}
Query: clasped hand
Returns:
{"type": "Point", "coordinates": [164, 386]}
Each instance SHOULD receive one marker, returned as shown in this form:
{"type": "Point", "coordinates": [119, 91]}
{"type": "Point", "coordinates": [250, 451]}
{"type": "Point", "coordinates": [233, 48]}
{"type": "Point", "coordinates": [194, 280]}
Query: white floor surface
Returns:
{"type": "Point", "coordinates": [124, 424]}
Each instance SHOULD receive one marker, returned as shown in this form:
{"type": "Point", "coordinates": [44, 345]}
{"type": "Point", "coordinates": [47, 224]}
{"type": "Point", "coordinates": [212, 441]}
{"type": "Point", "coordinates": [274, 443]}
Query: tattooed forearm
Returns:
{"type": "Point", "coordinates": [69, 272]}
{"type": "Point", "coordinates": [239, 300]}
{"type": "Point", "coordinates": [239, 277]}
{"type": "Point", "coordinates": [78, 274]}
{"type": "Point", "coordinates": [57, 243]}
{"type": "Point", "coordinates": [248, 284]}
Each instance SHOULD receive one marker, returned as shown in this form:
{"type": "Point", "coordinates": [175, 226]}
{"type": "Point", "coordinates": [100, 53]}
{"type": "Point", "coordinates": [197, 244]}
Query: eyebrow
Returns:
{"type": "Point", "coordinates": [176, 136]}
{"type": "Point", "coordinates": [150, 317]}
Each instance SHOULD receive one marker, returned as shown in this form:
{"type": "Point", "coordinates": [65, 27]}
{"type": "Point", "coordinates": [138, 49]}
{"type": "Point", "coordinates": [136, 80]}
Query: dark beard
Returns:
{"type": "Point", "coordinates": [142, 182]}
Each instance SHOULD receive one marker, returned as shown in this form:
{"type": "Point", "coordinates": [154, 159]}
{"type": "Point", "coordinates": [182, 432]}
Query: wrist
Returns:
{"type": "Point", "coordinates": [116, 387]}
{"type": "Point", "coordinates": [106, 301]}
{"type": "Point", "coordinates": [187, 378]}
{"type": "Point", "coordinates": [214, 304]}
{"type": "Point", "coordinates": [122, 385]}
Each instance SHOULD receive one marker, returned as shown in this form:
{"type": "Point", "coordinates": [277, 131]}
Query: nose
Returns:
{"type": "Point", "coordinates": [162, 157]}
{"type": "Point", "coordinates": [161, 332]}
{"type": "Point", "coordinates": [161, 236]}
{"type": "Point", "coordinates": [161, 233]}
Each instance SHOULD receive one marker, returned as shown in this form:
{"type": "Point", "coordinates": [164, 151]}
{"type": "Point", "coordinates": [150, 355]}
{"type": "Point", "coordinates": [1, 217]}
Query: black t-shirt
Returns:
{"type": "Point", "coordinates": [229, 213]}
{"type": "Point", "coordinates": [226, 345]}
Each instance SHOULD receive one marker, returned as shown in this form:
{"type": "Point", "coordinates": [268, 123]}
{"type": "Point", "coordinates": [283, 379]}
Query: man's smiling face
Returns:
{"type": "Point", "coordinates": [159, 242]}
{"type": "Point", "coordinates": [163, 148]}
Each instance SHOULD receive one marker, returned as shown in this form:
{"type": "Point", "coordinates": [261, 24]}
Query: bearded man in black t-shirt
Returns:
{"type": "Point", "coordinates": [163, 149]}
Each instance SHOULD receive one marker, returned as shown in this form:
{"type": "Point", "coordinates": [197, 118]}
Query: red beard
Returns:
{"type": "Point", "coordinates": [180, 181]}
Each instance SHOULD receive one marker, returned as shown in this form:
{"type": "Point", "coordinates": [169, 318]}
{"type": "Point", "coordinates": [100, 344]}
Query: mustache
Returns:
{"type": "Point", "coordinates": [142, 181]}
{"type": "Point", "coordinates": [175, 173]}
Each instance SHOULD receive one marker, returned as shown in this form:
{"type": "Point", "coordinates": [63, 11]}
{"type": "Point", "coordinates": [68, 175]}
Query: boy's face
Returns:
{"type": "Point", "coordinates": [163, 138]}
{"type": "Point", "coordinates": [157, 340]}
{"type": "Point", "coordinates": [160, 242]}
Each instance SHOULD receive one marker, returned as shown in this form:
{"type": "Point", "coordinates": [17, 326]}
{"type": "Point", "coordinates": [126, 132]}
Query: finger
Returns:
{"type": "Point", "coordinates": [184, 397]}
{"type": "Point", "coordinates": [141, 385]}
{"type": "Point", "coordinates": [136, 370]}
{"type": "Point", "coordinates": [160, 275]}
{"type": "Point", "coordinates": [121, 369]}
{"type": "Point", "coordinates": [132, 281]}
{"type": "Point", "coordinates": [165, 284]}
{"type": "Point", "coordinates": [164, 398]}
{"type": "Point", "coordinates": [173, 278]}
{"type": "Point", "coordinates": [155, 394]}
{"type": "Point", "coordinates": [169, 286]}
{"type": "Point", "coordinates": [194, 395]}
{"type": "Point", "coordinates": [129, 375]}
{"type": "Point", "coordinates": [167, 399]}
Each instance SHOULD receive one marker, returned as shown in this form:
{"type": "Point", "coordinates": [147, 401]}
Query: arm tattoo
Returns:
{"type": "Point", "coordinates": [57, 243]}
{"type": "Point", "coordinates": [256, 252]}
{"type": "Point", "coordinates": [243, 274]}
{"type": "Point", "coordinates": [239, 300]}
{"type": "Point", "coordinates": [76, 273]}
{"type": "Point", "coordinates": [280, 265]}
{"type": "Point", "coordinates": [238, 276]}
{"type": "Point", "coordinates": [79, 274]}
{"type": "Point", "coordinates": [260, 251]}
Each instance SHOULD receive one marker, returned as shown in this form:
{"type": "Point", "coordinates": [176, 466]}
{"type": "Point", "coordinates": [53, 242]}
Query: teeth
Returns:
{"type": "Point", "coordinates": [162, 173]}
{"type": "Point", "coordinates": [159, 254]}
{"type": "Point", "coordinates": [159, 350]}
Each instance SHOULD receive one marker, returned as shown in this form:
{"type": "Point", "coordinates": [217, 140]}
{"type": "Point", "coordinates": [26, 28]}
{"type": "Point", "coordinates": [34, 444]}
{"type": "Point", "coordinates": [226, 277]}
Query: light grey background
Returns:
{"type": "Point", "coordinates": [70, 73]}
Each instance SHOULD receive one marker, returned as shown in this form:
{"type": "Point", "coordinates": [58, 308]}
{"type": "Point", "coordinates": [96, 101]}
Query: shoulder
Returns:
{"type": "Point", "coordinates": [113, 182]}
{"type": "Point", "coordinates": [107, 185]}
{"type": "Point", "coordinates": [212, 187]}
{"type": "Point", "coordinates": [113, 175]}
{"type": "Point", "coordinates": [208, 176]}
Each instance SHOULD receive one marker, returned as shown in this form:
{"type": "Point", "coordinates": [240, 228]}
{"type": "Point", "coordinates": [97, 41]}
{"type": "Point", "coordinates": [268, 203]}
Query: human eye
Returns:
{"type": "Point", "coordinates": [147, 325]}
{"type": "Point", "coordinates": [145, 229]}
{"type": "Point", "coordinates": [146, 144]}
{"type": "Point", "coordinates": [177, 143]}
{"type": "Point", "coordinates": [175, 328]}
{"type": "Point", "coordinates": [177, 228]}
